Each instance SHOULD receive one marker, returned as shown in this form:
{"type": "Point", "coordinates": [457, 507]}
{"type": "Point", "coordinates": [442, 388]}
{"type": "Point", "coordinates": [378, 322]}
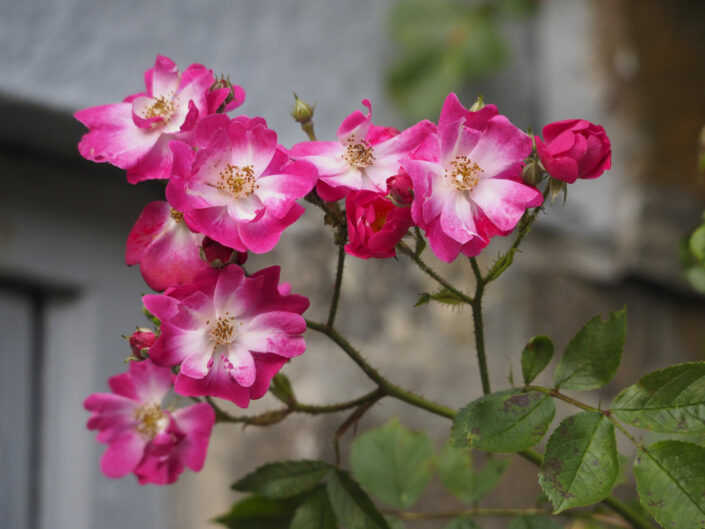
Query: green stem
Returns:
{"type": "Point", "coordinates": [389, 389]}
{"type": "Point", "coordinates": [403, 248]}
{"type": "Point", "coordinates": [479, 327]}
{"type": "Point", "coordinates": [525, 224]}
{"type": "Point", "coordinates": [337, 287]}
{"type": "Point", "coordinates": [274, 416]}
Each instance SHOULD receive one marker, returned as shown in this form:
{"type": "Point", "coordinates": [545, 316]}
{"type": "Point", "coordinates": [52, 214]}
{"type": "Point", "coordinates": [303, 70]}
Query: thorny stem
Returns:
{"type": "Point", "coordinates": [479, 327]}
{"type": "Point", "coordinates": [336, 288]}
{"type": "Point", "coordinates": [404, 248]}
{"type": "Point", "coordinates": [385, 385]}
{"type": "Point", "coordinates": [353, 419]}
{"type": "Point", "coordinates": [274, 416]}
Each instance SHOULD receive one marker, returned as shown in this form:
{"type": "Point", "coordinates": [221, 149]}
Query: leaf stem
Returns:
{"type": "Point", "coordinates": [607, 413]}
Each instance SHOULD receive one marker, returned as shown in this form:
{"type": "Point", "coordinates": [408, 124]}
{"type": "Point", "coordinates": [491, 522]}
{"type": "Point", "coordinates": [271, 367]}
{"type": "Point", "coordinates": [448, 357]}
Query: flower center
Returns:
{"type": "Point", "coordinates": [151, 419]}
{"type": "Point", "coordinates": [238, 181]}
{"type": "Point", "coordinates": [223, 332]}
{"type": "Point", "coordinates": [178, 216]}
{"type": "Point", "coordinates": [464, 173]}
{"type": "Point", "coordinates": [161, 108]}
{"type": "Point", "coordinates": [359, 154]}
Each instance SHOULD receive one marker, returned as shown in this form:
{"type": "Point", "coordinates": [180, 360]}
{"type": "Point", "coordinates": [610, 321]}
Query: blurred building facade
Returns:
{"type": "Point", "coordinates": [66, 296]}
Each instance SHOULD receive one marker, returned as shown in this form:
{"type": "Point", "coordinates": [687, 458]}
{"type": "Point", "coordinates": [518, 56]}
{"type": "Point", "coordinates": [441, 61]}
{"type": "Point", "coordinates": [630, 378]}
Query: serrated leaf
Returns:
{"type": "Point", "coordinates": [593, 355]}
{"type": "Point", "coordinates": [670, 400]}
{"type": "Point", "coordinates": [697, 244]}
{"type": "Point", "coordinates": [456, 472]}
{"type": "Point", "coordinates": [533, 522]}
{"type": "Point", "coordinates": [463, 523]}
{"type": "Point", "coordinates": [536, 356]}
{"type": "Point", "coordinates": [353, 508]}
{"type": "Point", "coordinates": [507, 421]}
{"type": "Point", "coordinates": [315, 512]}
{"type": "Point", "coordinates": [257, 512]}
{"type": "Point", "coordinates": [284, 479]}
{"type": "Point", "coordinates": [392, 463]}
{"type": "Point", "coordinates": [580, 465]}
{"type": "Point", "coordinates": [670, 478]}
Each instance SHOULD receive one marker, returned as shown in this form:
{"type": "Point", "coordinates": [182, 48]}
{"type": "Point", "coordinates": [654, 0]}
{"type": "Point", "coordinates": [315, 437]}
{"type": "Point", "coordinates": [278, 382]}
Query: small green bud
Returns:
{"type": "Point", "coordinates": [532, 173]}
{"type": "Point", "coordinates": [224, 82]}
{"type": "Point", "coordinates": [302, 111]}
{"type": "Point", "coordinates": [282, 390]}
{"type": "Point", "coordinates": [478, 105]}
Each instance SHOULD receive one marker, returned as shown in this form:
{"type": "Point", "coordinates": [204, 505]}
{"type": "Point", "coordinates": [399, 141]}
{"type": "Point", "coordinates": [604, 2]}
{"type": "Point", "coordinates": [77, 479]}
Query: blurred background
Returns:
{"type": "Point", "coordinates": [634, 66]}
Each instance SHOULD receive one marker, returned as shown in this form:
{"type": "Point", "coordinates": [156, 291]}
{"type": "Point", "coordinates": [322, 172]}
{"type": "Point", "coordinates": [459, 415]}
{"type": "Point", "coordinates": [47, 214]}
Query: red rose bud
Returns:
{"type": "Point", "coordinates": [140, 342]}
{"type": "Point", "coordinates": [401, 189]}
{"type": "Point", "coordinates": [574, 149]}
{"type": "Point", "coordinates": [375, 224]}
{"type": "Point", "coordinates": [218, 255]}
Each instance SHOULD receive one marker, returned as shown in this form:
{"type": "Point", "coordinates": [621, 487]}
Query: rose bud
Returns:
{"type": "Point", "coordinates": [140, 342]}
{"type": "Point", "coordinates": [574, 149]}
{"type": "Point", "coordinates": [401, 189]}
{"type": "Point", "coordinates": [218, 255]}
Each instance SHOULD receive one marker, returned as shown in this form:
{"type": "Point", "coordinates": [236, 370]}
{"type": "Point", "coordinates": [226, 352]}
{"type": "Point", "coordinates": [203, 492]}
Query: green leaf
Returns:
{"type": "Point", "coordinates": [535, 357]}
{"type": "Point", "coordinates": [580, 465]}
{"type": "Point", "coordinates": [697, 244]}
{"type": "Point", "coordinates": [670, 400]}
{"type": "Point", "coordinates": [592, 356]}
{"type": "Point", "coordinates": [392, 463]}
{"type": "Point", "coordinates": [353, 508]}
{"type": "Point", "coordinates": [507, 421]}
{"type": "Point", "coordinates": [462, 523]}
{"type": "Point", "coordinates": [284, 479]}
{"type": "Point", "coordinates": [423, 299]}
{"type": "Point", "coordinates": [670, 478]}
{"type": "Point", "coordinates": [315, 512]}
{"type": "Point", "coordinates": [257, 512]}
{"type": "Point", "coordinates": [455, 469]}
{"type": "Point", "coordinates": [394, 522]}
{"type": "Point", "coordinates": [533, 522]}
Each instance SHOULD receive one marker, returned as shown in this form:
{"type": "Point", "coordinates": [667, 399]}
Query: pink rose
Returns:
{"type": "Point", "coordinates": [375, 224]}
{"type": "Point", "coordinates": [153, 441]}
{"type": "Point", "coordinates": [574, 149]}
{"type": "Point", "coordinates": [401, 189]}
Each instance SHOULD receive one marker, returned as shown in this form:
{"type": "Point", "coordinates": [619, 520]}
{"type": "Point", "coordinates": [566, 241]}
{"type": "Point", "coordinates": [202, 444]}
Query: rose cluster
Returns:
{"type": "Point", "coordinates": [231, 188]}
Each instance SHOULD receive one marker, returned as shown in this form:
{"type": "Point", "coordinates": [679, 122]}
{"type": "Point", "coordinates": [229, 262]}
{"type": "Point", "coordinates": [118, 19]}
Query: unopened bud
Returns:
{"type": "Point", "coordinates": [140, 342]}
{"type": "Point", "coordinates": [218, 255]}
{"type": "Point", "coordinates": [401, 190]}
{"type": "Point", "coordinates": [532, 173]}
{"type": "Point", "coordinates": [478, 104]}
{"type": "Point", "coordinates": [224, 82]}
{"type": "Point", "coordinates": [302, 112]}
{"type": "Point", "coordinates": [282, 390]}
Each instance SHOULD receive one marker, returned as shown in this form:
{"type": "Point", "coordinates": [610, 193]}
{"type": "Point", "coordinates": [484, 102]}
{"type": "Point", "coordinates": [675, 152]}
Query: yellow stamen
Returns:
{"type": "Point", "coordinates": [465, 174]}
